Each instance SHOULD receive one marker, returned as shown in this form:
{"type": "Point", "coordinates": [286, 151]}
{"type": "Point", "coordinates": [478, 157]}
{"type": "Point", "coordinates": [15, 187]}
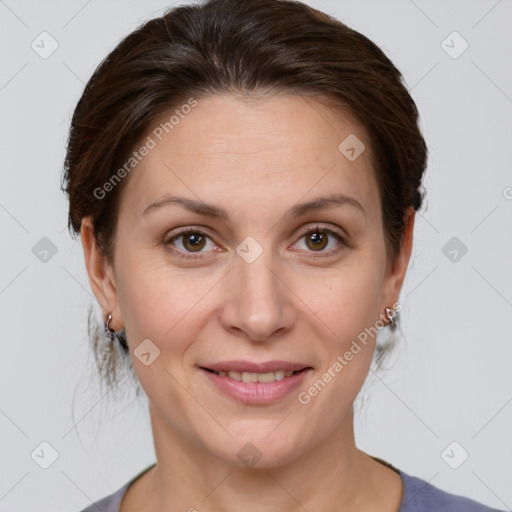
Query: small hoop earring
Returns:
{"type": "Point", "coordinates": [110, 333]}
{"type": "Point", "coordinates": [120, 335]}
{"type": "Point", "coordinates": [392, 317]}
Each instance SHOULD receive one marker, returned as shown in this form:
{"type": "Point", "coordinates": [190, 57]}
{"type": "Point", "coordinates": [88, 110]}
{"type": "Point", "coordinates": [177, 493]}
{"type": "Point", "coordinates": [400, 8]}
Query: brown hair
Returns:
{"type": "Point", "coordinates": [248, 49]}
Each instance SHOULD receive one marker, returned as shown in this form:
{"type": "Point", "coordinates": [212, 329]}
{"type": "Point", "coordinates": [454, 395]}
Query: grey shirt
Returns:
{"type": "Point", "coordinates": [418, 496]}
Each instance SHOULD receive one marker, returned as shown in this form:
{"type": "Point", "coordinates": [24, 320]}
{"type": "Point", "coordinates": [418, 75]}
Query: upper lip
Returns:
{"type": "Point", "coordinates": [251, 367]}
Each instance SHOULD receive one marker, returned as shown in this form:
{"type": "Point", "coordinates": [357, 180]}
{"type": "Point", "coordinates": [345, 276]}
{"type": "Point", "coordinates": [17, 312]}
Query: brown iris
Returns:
{"type": "Point", "coordinates": [318, 239]}
{"type": "Point", "coordinates": [193, 241]}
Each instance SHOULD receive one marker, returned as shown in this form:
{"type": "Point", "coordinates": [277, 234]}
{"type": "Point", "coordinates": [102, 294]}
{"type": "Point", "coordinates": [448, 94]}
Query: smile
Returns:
{"type": "Point", "coordinates": [256, 377]}
{"type": "Point", "coordinates": [255, 388]}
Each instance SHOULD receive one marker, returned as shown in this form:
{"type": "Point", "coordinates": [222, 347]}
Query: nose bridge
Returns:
{"type": "Point", "coordinates": [259, 302]}
{"type": "Point", "coordinates": [255, 271]}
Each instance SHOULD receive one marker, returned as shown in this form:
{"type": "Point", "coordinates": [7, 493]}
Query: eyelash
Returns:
{"type": "Point", "coordinates": [315, 229]}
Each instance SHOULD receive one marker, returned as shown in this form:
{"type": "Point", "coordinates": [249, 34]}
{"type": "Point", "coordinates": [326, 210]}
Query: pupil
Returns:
{"type": "Point", "coordinates": [196, 242]}
{"type": "Point", "coordinates": [318, 240]}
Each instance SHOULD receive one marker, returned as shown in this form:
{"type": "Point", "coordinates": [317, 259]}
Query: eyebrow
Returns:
{"type": "Point", "coordinates": [202, 208]}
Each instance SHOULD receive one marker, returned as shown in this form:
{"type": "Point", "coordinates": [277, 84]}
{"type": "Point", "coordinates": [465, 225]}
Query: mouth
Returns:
{"type": "Point", "coordinates": [255, 383]}
{"type": "Point", "coordinates": [262, 377]}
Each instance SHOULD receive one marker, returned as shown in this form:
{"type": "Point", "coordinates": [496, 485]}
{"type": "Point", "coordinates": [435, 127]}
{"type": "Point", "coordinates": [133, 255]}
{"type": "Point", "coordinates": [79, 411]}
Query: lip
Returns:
{"type": "Point", "coordinates": [256, 393]}
{"type": "Point", "coordinates": [252, 367]}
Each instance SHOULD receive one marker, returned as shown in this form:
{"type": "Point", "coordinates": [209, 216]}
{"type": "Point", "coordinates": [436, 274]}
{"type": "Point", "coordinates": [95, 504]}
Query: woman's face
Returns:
{"type": "Point", "coordinates": [259, 284]}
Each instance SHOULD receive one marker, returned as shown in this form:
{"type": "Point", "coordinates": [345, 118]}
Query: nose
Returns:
{"type": "Point", "coordinates": [258, 303]}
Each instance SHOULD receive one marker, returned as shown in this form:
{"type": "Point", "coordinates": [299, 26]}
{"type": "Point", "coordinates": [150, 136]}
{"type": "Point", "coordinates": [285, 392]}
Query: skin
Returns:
{"type": "Point", "coordinates": [256, 160]}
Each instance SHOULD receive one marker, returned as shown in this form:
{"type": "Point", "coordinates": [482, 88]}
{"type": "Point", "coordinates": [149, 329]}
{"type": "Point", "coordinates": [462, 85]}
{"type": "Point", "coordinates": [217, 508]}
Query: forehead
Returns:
{"type": "Point", "coordinates": [253, 153]}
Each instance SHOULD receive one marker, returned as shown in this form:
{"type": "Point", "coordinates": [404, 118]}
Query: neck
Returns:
{"type": "Point", "coordinates": [187, 477]}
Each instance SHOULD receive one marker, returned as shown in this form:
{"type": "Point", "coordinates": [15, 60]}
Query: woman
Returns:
{"type": "Point", "coordinates": [244, 177]}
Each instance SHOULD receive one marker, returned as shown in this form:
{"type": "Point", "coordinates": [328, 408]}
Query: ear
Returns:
{"type": "Point", "coordinates": [396, 272]}
{"type": "Point", "coordinates": [101, 275]}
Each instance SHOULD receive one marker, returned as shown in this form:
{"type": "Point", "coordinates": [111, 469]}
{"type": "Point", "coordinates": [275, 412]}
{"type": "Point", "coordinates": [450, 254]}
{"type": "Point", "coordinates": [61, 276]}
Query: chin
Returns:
{"type": "Point", "coordinates": [259, 447]}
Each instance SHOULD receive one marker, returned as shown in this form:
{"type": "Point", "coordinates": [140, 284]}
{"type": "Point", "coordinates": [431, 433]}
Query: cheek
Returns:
{"type": "Point", "coordinates": [163, 303]}
{"type": "Point", "coordinates": [345, 301]}
{"type": "Point", "coordinates": [348, 307]}
{"type": "Point", "coordinates": [150, 300]}
{"type": "Point", "coordinates": [159, 305]}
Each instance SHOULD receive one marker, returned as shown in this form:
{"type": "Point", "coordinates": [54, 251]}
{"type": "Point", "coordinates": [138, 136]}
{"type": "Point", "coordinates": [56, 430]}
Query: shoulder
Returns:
{"type": "Point", "coordinates": [109, 503]}
{"type": "Point", "coordinates": [421, 496]}
{"type": "Point", "coordinates": [112, 502]}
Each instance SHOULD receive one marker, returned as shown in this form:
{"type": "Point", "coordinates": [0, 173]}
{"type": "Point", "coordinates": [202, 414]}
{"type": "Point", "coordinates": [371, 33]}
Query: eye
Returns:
{"type": "Point", "coordinates": [317, 239]}
{"type": "Point", "coordinates": [192, 241]}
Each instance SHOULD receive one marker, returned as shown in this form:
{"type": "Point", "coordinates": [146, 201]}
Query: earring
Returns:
{"type": "Point", "coordinates": [120, 335]}
{"type": "Point", "coordinates": [108, 330]}
{"type": "Point", "coordinates": [392, 317]}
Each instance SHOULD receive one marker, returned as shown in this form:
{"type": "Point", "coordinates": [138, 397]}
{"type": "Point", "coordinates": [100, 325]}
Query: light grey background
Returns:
{"type": "Point", "coordinates": [452, 379]}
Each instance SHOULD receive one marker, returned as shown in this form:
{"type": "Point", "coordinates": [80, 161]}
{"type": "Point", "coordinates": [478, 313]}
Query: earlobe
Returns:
{"type": "Point", "coordinates": [101, 275]}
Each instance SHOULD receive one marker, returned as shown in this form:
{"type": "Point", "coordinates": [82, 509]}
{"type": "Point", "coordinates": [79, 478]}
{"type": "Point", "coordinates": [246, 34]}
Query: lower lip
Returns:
{"type": "Point", "coordinates": [254, 393]}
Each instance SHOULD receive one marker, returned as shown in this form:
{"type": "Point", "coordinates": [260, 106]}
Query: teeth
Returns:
{"type": "Point", "coordinates": [249, 377]}
{"type": "Point", "coordinates": [266, 377]}
{"type": "Point", "coordinates": [256, 377]}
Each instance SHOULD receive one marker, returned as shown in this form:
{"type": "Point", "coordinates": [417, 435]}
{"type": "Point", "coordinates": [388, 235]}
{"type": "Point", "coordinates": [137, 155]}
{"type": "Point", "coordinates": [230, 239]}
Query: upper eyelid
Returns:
{"type": "Point", "coordinates": [320, 227]}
